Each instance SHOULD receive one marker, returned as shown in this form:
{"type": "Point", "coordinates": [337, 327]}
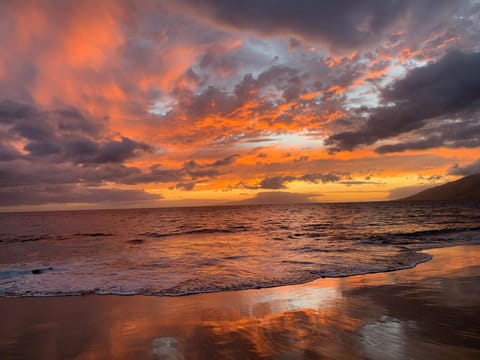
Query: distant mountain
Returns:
{"type": "Point", "coordinates": [276, 197]}
{"type": "Point", "coordinates": [467, 188]}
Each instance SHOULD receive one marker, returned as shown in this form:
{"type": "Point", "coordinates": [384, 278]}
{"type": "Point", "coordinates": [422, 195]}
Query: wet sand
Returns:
{"type": "Point", "coordinates": [429, 312]}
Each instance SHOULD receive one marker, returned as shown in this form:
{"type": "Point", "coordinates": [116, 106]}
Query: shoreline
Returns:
{"type": "Point", "coordinates": [320, 277]}
{"type": "Point", "coordinates": [429, 311]}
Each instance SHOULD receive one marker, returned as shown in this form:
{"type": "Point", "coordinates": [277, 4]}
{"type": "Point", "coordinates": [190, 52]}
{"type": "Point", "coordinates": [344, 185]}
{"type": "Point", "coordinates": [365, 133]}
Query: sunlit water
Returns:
{"type": "Point", "coordinates": [193, 250]}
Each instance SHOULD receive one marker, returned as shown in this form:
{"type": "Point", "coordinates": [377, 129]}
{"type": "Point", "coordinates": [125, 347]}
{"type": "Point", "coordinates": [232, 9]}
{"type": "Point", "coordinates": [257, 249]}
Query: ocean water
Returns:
{"type": "Point", "coordinates": [182, 251]}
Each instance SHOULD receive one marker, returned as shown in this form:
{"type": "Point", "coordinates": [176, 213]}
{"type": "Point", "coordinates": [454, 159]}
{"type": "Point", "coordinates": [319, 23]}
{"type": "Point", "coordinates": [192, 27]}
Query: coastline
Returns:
{"type": "Point", "coordinates": [429, 311]}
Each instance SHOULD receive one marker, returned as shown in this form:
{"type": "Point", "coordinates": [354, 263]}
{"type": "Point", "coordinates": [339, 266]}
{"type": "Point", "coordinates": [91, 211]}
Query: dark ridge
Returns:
{"type": "Point", "coordinates": [298, 262]}
{"type": "Point", "coordinates": [24, 238]}
{"type": "Point", "coordinates": [41, 271]}
{"type": "Point", "coordinates": [467, 188]}
{"type": "Point", "coordinates": [94, 234]}
{"type": "Point", "coordinates": [190, 232]}
{"type": "Point", "coordinates": [436, 232]}
{"type": "Point", "coordinates": [136, 241]}
{"type": "Point", "coordinates": [234, 257]}
{"type": "Point", "coordinates": [238, 227]}
{"type": "Point", "coordinates": [34, 238]}
{"type": "Point", "coordinates": [157, 235]}
{"type": "Point", "coordinates": [209, 231]}
{"type": "Point", "coordinates": [309, 249]}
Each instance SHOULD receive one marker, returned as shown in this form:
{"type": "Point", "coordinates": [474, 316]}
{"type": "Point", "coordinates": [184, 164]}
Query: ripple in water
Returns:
{"type": "Point", "coordinates": [176, 252]}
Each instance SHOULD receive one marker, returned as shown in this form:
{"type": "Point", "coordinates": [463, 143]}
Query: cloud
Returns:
{"type": "Point", "coordinates": [170, 94]}
{"type": "Point", "coordinates": [229, 160]}
{"type": "Point", "coordinates": [82, 150]}
{"type": "Point", "coordinates": [58, 194]}
{"type": "Point", "coordinates": [35, 124]}
{"type": "Point", "coordinates": [253, 107]}
{"type": "Point", "coordinates": [275, 182]}
{"type": "Point", "coordinates": [338, 24]}
{"type": "Point", "coordinates": [50, 154]}
{"type": "Point", "coordinates": [447, 90]}
{"type": "Point", "coordinates": [60, 159]}
{"type": "Point", "coordinates": [279, 182]}
{"type": "Point", "coordinates": [66, 133]}
{"type": "Point", "coordinates": [451, 134]}
{"type": "Point", "coordinates": [471, 169]}
{"type": "Point", "coordinates": [188, 186]}
{"type": "Point", "coordinates": [8, 152]}
{"type": "Point", "coordinates": [112, 151]}
{"type": "Point", "coordinates": [323, 177]}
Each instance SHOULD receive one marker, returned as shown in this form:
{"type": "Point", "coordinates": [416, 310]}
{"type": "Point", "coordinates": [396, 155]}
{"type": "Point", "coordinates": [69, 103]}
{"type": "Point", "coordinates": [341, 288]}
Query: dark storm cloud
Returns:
{"type": "Point", "coordinates": [446, 90]}
{"type": "Point", "coordinates": [27, 182]}
{"type": "Point", "coordinates": [112, 151]}
{"type": "Point", "coordinates": [433, 141]}
{"type": "Point", "coordinates": [33, 123]}
{"type": "Point", "coordinates": [66, 133]}
{"type": "Point", "coordinates": [33, 129]}
{"type": "Point", "coordinates": [11, 110]}
{"type": "Point", "coordinates": [24, 172]}
{"type": "Point", "coordinates": [471, 169]}
{"type": "Point", "coordinates": [344, 24]}
{"type": "Point", "coordinates": [8, 152]}
{"type": "Point", "coordinates": [71, 119]}
{"type": "Point", "coordinates": [43, 148]}
{"type": "Point", "coordinates": [452, 136]}
{"type": "Point", "coordinates": [64, 155]}
{"type": "Point", "coordinates": [57, 194]}
{"type": "Point", "coordinates": [86, 151]}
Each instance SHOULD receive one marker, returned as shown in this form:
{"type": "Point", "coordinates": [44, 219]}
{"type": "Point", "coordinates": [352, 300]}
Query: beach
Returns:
{"type": "Point", "coordinates": [239, 180]}
{"type": "Point", "coordinates": [431, 311]}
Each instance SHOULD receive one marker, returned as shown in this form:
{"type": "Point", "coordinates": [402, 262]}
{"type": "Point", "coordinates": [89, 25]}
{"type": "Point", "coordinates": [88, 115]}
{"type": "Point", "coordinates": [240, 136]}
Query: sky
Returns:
{"type": "Point", "coordinates": [114, 104]}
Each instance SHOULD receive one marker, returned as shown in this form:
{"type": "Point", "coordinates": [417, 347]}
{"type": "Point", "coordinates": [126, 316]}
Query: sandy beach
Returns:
{"type": "Point", "coordinates": [429, 312]}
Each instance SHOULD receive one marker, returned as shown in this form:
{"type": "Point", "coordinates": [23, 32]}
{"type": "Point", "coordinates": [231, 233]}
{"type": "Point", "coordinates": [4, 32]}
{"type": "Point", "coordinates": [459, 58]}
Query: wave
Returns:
{"type": "Point", "coordinates": [124, 254]}
{"type": "Point", "coordinates": [427, 238]}
{"type": "Point", "coordinates": [140, 285]}
{"type": "Point", "coordinates": [13, 273]}
{"type": "Point", "coordinates": [11, 238]}
{"type": "Point", "coordinates": [136, 241]}
{"type": "Point", "coordinates": [433, 232]}
{"type": "Point", "coordinates": [312, 249]}
{"type": "Point", "coordinates": [23, 238]}
{"type": "Point", "coordinates": [192, 232]}
{"type": "Point", "coordinates": [96, 234]}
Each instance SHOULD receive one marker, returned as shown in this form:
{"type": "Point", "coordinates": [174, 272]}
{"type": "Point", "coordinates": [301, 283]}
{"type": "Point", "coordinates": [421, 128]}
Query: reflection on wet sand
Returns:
{"type": "Point", "coordinates": [431, 312]}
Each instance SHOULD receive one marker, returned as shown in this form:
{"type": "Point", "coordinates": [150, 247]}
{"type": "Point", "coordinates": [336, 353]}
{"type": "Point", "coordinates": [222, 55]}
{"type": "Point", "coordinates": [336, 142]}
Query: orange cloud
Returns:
{"type": "Point", "coordinates": [192, 91]}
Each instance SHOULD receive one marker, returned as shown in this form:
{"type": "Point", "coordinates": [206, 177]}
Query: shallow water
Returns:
{"type": "Point", "coordinates": [194, 250]}
{"type": "Point", "coordinates": [429, 312]}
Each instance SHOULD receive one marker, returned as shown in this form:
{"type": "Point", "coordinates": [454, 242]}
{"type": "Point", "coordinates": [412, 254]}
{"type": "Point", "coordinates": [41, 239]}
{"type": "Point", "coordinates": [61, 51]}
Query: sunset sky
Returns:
{"type": "Point", "coordinates": [108, 104]}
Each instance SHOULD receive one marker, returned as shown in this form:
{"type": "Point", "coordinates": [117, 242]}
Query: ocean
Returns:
{"type": "Point", "coordinates": [182, 251]}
